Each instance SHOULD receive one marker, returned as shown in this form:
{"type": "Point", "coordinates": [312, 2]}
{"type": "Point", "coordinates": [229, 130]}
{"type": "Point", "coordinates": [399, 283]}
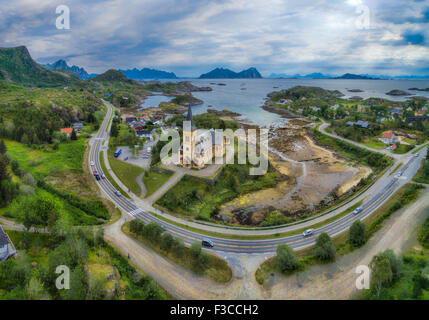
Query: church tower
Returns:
{"type": "Point", "coordinates": [188, 138]}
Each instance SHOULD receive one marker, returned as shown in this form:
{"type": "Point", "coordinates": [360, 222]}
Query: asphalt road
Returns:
{"type": "Point", "coordinates": [391, 184]}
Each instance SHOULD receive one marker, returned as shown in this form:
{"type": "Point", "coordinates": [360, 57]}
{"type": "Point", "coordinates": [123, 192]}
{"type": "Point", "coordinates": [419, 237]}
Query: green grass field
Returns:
{"type": "Point", "coordinates": [153, 180]}
{"type": "Point", "coordinates": [127, 173]}
{"type": "Point", "coordinates": [41, 163]}
{"type": "Point", "coordinates": [374, 143]}
{"type": "Point", "coordinates": [109, 177]}
{"type": "Point", "coordinates": [403, 148]}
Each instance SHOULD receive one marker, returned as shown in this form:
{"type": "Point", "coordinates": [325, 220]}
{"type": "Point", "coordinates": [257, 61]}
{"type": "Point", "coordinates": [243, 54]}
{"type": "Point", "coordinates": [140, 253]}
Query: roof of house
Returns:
{"type": "Point", "coordinates": [67, 130]}
{"type": "Point", "coordinates": [363, 124]}
{"type": "Point", "coordinates": [388, 135]}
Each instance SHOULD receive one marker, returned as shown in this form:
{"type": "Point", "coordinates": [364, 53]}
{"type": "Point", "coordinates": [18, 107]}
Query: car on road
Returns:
{"type": "Point", "coordinates": [416, 155]}
{"type": "Point", "coordinates": [103, 176]}
{"type": "Point", "coordinates": [118, 193]}
{"type": "Point", "coordinates": [207, 243]}
{"type": "Point", "coordinates": [96, 175]}
{"type": "Point", "coordinates": [307, 232]}
{"type": "Point", "coordinates": [357, 210]}
{"type": "Point", "coordinates": [92, 163]}
{"type": "Point", "coordinates": [163, 227]}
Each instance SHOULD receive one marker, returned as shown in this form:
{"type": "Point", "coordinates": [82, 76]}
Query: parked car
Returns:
{"type": "Point", "coordinates": [207, 243]}
{"type": "Point", "coordinates": [118, 193]}
{"type": "Point", "coordinates": [307, 232]}
{"type": "Point", "coordinates": [357, 210]}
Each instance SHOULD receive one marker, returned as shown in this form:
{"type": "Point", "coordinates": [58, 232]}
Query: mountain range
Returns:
{"type": "Point", "coordinates": [147, 73]}
{"type": "Point", "coordinates": [222, 73]}
{"type": "Point", "coordinates": [62, 65]}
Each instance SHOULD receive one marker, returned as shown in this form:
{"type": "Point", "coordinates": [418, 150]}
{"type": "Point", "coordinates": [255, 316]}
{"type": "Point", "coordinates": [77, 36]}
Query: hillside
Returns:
{"type": "Point", "coordinates": [110, 75]}
{"type": "Point", "coordinates": [62, 65]}
{"type": "Point", "coordinates": [222, 73]}
{"type": "Point", "coordinates": [147, 73]}
{"type": "Point", "coordinates": [17, 66]}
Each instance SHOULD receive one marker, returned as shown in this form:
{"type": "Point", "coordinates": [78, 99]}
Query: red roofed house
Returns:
{"type": "Point", "coordinates": [67, 131]}
{"type": "Point", "coordinates": [389, 138]}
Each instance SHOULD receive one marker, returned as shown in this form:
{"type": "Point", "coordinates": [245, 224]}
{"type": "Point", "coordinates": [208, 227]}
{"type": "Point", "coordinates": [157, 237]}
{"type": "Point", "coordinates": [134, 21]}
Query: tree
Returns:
{"type": "Point", "coordinates": [324, 249]}
{"type": "Point", "coordinates": [178, 247]}
{"type": "Point", "coordinates": [114, 130]}
{"type": "Point", "coordinates": [4, 175]}
{"type": "Point", "coordinates": [357, 233]}
{"type": "Point", "coordinates": [381, 272]}
{"type": "Point", "coordinates": [195, 249]}
{"type": "Point", "coordinates": [286, 258]}
{"type": "Point", "coordinates": [3, 148]}
{"type": "Point", "coordinates": [14, 165]}
{"type": "Point", "coordinates": [73, 135]}
{"type": "Point", "coordinates": [152, 231]}
{"type": "Point", "coordinates": [395, 263]}
{"type": "Point", "coordinates": [166, 241]}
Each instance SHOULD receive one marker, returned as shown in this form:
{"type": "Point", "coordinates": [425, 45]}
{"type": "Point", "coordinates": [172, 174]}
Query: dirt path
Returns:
{"type": "Point", "coordinates": [139, 180]}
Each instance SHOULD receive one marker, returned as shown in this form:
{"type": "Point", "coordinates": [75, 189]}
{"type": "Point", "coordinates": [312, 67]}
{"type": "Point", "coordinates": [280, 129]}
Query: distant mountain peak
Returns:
{"type": "Point", "coordinates": [224, 73]}
{"type": "Point", "coordinates": [61, 64]}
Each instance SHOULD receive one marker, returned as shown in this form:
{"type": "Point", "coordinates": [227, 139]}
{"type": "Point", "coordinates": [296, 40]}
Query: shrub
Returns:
{"type": "Point", "coordinates": [357, 233]}
{"type": "Point", "coordinates": [324, 249]}
{"type": "Point", "coordinates": [286, 259]}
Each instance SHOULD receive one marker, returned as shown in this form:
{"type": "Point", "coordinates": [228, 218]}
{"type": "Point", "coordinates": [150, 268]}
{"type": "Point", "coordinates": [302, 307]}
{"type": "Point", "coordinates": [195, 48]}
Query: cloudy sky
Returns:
{"type": "Point", "coordinates": [189, 37]}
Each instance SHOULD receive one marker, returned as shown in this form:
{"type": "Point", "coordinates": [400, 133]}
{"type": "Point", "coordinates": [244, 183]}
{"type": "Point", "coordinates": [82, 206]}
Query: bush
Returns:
{"type": "Point", "coordinates": [357, 233]}
{"type": "Point", "coordinates": [195, 249]}
{"type": "Point", "coordinates": [286, 259]}
{"type": "Point", "coordinates": [324, 249]}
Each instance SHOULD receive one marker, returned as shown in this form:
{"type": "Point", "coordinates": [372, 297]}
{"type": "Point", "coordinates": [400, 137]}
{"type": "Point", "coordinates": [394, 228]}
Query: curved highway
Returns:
{"type": "Point", "coordinates": [247, 246]}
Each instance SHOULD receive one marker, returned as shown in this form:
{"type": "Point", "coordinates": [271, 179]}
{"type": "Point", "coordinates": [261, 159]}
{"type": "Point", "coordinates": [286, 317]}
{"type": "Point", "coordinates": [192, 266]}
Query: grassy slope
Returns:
{"type": "Point", "coordinates": [127, 173]}
{"type": "Point", "coordinates": [154, 180]}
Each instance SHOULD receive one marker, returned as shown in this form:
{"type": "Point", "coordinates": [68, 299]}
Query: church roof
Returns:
{"type": "Point", "coordinates": [190, 118]}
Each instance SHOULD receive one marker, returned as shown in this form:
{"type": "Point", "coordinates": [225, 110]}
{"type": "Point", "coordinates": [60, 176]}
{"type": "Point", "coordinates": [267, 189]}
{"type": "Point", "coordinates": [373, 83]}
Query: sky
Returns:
{"type": "Point", "coordinates": [190, 37]}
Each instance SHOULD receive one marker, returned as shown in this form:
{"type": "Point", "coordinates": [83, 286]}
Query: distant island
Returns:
{"type": "Point", "coordinates": [397, 92]}
{"type": "Point", "coordinates": [147, 73]}
{"type": "Point", "coordinates": [222, 73]}
{"type": "Point", "coordinates": [318, 75]}
{"type": "Point", "coordinates": [62, 65]}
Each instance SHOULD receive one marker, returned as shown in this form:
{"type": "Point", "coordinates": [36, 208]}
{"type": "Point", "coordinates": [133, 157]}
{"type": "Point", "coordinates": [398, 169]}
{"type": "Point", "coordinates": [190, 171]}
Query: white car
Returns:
{"type": "Point", "coordinates": [307, 232]}
{"type": "Point", "coordinates": [118, 193]}
{"type": "Point", "coordinates": [416, 155]}
{"type": "Point", "coordinates": [357, 210]}
{"type": "Point", "coordinates": [92, 163]}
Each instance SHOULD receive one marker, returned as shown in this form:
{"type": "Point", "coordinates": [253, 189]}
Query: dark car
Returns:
{"type": "Point", "coordinates": [207, 243]}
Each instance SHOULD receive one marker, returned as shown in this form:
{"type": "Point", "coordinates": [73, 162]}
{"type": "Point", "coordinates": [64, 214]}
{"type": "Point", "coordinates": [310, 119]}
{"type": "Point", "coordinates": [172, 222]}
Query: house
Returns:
{"type": "Point", "coordinates": [78, 126]}
{"type": "Point", "coordinates": [145, 118]}
{"type": "Point", "coordinates": [138, 126]}
{"type": "Point", "coordinates": [130, 119]}
{"type": "Point", "coordinates": [389, 138]}
{"type": "Point", "coordinates": [316, 108]}
{"type": "Point", "coordinates": [334, 107]}
{"type": "Point", "coordinates": [362, 124]}
{"type": "Point", "coordinates": [67, 131]}
{"type": "Point", "coordinates": [6, 246]}
{"type": "Point", "coordinates": [158, 117]}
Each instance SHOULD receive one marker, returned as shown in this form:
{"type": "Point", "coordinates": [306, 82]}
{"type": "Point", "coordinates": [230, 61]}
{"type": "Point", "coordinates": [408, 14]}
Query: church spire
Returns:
{"type": "Point", "coordinates": [190, 118]}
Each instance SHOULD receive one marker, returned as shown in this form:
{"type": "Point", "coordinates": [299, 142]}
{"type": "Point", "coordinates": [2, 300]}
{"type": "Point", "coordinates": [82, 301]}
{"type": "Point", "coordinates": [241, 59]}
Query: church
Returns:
{"type": "Point", "coordinates": [200, 146]}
